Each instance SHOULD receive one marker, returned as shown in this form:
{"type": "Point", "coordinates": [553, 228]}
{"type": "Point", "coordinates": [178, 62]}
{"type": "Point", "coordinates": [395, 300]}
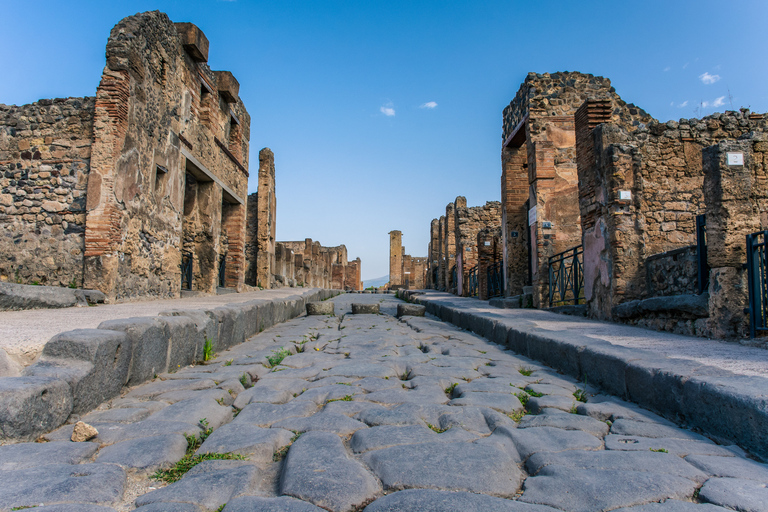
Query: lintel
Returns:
{"type": "Point", "coordinates": [229, 194]}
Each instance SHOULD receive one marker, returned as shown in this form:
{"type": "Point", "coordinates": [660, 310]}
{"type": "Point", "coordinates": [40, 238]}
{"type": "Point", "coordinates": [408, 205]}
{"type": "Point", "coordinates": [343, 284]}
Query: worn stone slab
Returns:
{"type": "Point", "coordinates": [318, 469]}
{"type": "Point", "coordinates": [320, 308]}
{"type": "Point", "coordinates": [262, 394]}
{"type": "Point", "coordinates": [83, 483]}
{"type": "Point", "coordinates": [674, 506]}
{"type": "Point", "coordinates": [323, 421]}
{"type": "Point", "coordinates": [728, 467]}
{"type": "Point", "coordinates": [217, 394]}
{"type": "Point", "coordinates": [170, 507]}
{"type": "Point", "coordinates": [118, 415]}
{"type": "Point", "coordinates": [210, 484]}
{"type": "Point", "coordinates": [614, 410]}
{"type": "Point", "coordinates": [470, 467]}
{"type": "Point", "coordinates": [74, 507]}
{"type": "Point", "coordinates": [552, 389]}
{"type": "Point", "coordinates": [281, 504]}
{"type": "Point", "coordinates": [490, 385]}
{"type": "Point", "coordinates": [538, 404]}
{"type": "Point", "coordinates": [30, 406]}
{"type": "Point", "coordinates": [629, 427]}
{"type": "Point", "coordinates": [410, 310]}
{"type": "Point", "coordinates": [194, 410]}
{"type": "Point", "coordinates": [385, 436]}
{"type": "Point", "coordinates": [736, 494]}
{"type": "Point", "coordinates": [365, 309]}
{"type": "Point", "coordinates": [474, 419]}
{"type": "Point", "coordinates": [588, 490]}
{"type": "Point", "coordinates": [17, 297]}
{"type": "Point", "coordinates": [361, 370]}
{"type": "Point", "coordinates": [256, 443]}
{"type": "Point", "coordinates": [566, 422]}
{"type": "Point", "coordinates": [264, 414]}
{"type": "Point", "coordinates": [681, 447]}
{"type": "Point", "coordinates": [506, 403]}
{"type": "Point", "coordinates": [147, 428]}
{"type": "Point", "coordinates": [145, 453]}
{"type": "Point", "coordinates": [32, 455]}
{"type": "Point", "coordinates": [332, 392]}
{"type": "Point", "coordinates": [429, 500]}
{"type": "Point", "coordinates": [157, 388]}
{"type": "Point", "coordinates": [548, 439]}
{"type": "Point", "coordinates": [149, 338]}
{"type": "Point", "coordinates": [8, 366]}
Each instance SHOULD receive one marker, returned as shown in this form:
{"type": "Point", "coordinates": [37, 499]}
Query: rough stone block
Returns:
{"type": "Point", "coordinates": [15, 297]}
{"type": "Point", "coordinates": [365, 309]}
{"type": "Point", "coordinates": [184, 339]}
{"type": "Point", "coordinates": [194, 41]}
{"type": "Point", "coordinates": [8, 367]}
{"type": "Point", "coordinates": [228, 86]}
{"type": "Point", "coordinates": [149, 339]}
{"type": "Point", "coordinates": [320, 308]}
{"type": "Point", "coordinates": [32, 455]}
{"type": "Point", "coordinates": [410, 310]}
{"type": "Point", "coordinates": [30, 406]}
{"type": "Point", "coordinates": [145, 453]}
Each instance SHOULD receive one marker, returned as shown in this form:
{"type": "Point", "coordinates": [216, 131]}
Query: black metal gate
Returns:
{"type": "Point", "coordinates": [472, 285]}
{"type": "Point", "coordinates": [186, 270]}
{"type": "Point", "coordinates": [451, 286]}
{"type": "Point", "coordinates": [701, 253]}
{"type": "Point", "coordinates": [566, 277]}
{"type": "Point", "coordinates": [757, 270]}
{"type": "Point", "coordinates": [494, 280]}
{"type": "Point", "coordinates": [222, 272]}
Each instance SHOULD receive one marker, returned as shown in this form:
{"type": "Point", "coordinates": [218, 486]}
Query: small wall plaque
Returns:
{"type": "Point", "coordinates": [514, 234]}
{"type": "Point", "coordinates": [735, 158]}
{"type": "Point", "coordinates": [487, 244]}
{"type": "Point", "coordinates": [532, 216]}
{"type": "Point", "coordinates": [546, 224]}
{"type": "Point", "coordinates": [625, 195]}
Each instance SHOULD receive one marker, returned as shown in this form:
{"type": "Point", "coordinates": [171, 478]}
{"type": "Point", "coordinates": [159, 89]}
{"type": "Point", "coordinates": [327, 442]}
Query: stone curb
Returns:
{"type": "Point", "coordinates": [80, 369]}
{"type": "Point", "coordinates": [730, 406]}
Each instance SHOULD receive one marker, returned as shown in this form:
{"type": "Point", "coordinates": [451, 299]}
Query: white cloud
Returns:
{"type": "Point", "coordinates": [429, 104]}
{"type": "Point", "coordinates": [719, 102]}
{"type": "Point", "coordinates": [705, 104]}
{"type": "Point", "coordinates": [667, 68]}
{"type": "Point", "coordinates": [683, 104]}
{"type": "Point", "coordinates": [706, 78]}
{"type": "Point", "coordinates": [388, 110]}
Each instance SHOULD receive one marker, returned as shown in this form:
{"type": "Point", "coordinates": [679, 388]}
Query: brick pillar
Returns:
{"type": "Point", "coordinates": [485, 258]}
{"type": "Point", "coordinates": [450, 246]}
{"type": "Point", "coordinates": [441, 253]}
{"type": "Point", "coordinates": [395, 259]}
{"type": "Point", "coordinates": [233, 223]}
{"type": "Point", "coordinates": [515, 233]}
{"type": "Point", "coordinates": [267, 204]}
{"type": "Point", "coordinates": [433, 255]}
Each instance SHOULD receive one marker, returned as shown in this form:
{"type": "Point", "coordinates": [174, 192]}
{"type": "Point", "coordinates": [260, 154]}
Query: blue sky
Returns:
{"type": "Point", "coordinates": [380, 113]}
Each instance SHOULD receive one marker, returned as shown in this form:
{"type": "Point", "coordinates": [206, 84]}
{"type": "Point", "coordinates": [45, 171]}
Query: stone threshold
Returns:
{"type": "Point", "coordinates": [722, 403]}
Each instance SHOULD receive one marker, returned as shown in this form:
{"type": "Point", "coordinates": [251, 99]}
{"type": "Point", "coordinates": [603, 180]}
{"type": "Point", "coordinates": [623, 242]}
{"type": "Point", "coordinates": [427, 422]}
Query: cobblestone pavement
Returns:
{"type": "Point", "coordinates": [365, 412]}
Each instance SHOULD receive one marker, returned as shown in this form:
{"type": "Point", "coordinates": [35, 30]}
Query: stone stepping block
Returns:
{"type": "Point", "coordinates": [727, 467]}
{"type": "Point", "coordinates": [264, 415]}
{"type": "Point", "coordinates": [428, 500]}
{"type": "Point", "coordinates": [674, 506]}
{"type": "Point", "coordinates": [506, 403]}
{"type": "Point", "coordinates": [646, 429]}
{"type": "Point", "coordinates": [322, 421]}
{"type": "Point", "coordinates": [566, 422]}
{"type": "Point", "coordinates": [145, 453]}
{"type": "Point", "coordinates": [325, 307]}
{"type": "Point", "coordinates": [281, 504]}
{"type": "Point", "coordinates": [652, 462]}
{"type": "Point", "coordinates": [194, 410]}
{"type": "Point", "coordinates": [319, 470]}
{"type": "Point", "coordinates": [385, 436]}
{"type": "Point", "coordinates": [101, 484]}
{"type": "Point", "coordinates": [410, 310]}
{"type": "Point", "coordinates": [365, 309]}
{"type": "Point", "coordinates": [588, 490]}
{"type": "Point", "coordinates": [470, 467]}
{"type": "Point", "coordinates": [32, 455]}
{"type": "Point", "coordinates": [736, 494]}
{"type": "Point", "coordinates": [548, 439]}
{"type": "Point", "coordinates": [255, 443]}
{"type": "Point", "coordinates": [210, 484]}
{"type": "Point", "coordinates": [154, 389]}
{"type": "Point", "coordinates": [680, 447]}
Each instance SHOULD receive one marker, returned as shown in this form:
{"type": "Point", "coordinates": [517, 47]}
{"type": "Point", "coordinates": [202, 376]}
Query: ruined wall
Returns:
{"type": "Point", "coordinates": [672, 273]}
{"type": "Point", "coordinates": [395, 259]}
{"type": "Point", "coordinates": [45, 151]}
{"type": "Point", "coordinates": [441, 257]}
{"type": "Point", "coordinates": [266, 223]}
{"type": "Point", "coordinates": [490, 252]}
{"type": "Point", "coordinates": [317, 266]}
{"type": "Point", "coordinates": [469, 221]}
{"type": "Point", "coordinates": [433, 254]}
{"type": "Point", "coordinates": [449, 249]}
{"type": "Point", "coordinates": [162, 114]}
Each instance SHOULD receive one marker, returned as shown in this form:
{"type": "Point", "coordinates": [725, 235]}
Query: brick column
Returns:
{"type": "Point", "coordinates": [395, 259]}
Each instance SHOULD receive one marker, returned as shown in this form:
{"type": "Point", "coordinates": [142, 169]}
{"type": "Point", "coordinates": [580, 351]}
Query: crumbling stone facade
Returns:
{"type": "Point", "coordinates": [469, 222]}
{"type": "Point", "coordinates": [307, 263]}
{"type": "Point", "coordinates": [405, 271]}
{"type": "Point", "coordinates": [109, 192]}
{"type": "Point", "coordinates": [262, 225]}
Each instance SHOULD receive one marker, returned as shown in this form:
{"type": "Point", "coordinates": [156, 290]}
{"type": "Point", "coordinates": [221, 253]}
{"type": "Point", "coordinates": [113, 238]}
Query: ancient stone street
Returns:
{"type": "Point", "coordinates": [370, 412]}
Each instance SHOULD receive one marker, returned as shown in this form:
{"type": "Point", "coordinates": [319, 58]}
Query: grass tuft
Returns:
{"type": "Point", "coordinates": [437, 429]}
{"type": "Point", "coordinates": [449, 389]}
{"type": "Point", "coordinates": [525, 370]}
{"type": "Point", "coordinates": [277, 356]}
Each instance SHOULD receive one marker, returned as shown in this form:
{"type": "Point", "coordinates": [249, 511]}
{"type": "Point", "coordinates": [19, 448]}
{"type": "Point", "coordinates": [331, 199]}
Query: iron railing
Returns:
{"type": "Point", "coordinates": [186, 270]}
{"type": "Point", "coordinates": [701, 253]}
{"type": "Point", "coordinates": [222, 272]}
{"type": "Point", "coordinates": [566, 277]}
{"type": "Point", "coordinates": [495, 278]}
{"type": "Point", "coordinates": [472, 282]}
{"type": "Point", "coordinates": [757, 270]}
{"type": "Point", "coordinates": [452, 285]}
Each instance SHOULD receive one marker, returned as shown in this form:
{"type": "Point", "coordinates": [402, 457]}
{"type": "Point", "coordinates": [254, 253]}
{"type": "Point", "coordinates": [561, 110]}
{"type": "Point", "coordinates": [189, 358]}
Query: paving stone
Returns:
{"type": "Point", "coordinates": [474, 419]}
{"type": "Point", "coordinates": [262, 394]}
{"type": "Point", "coordinates": [385, 436]}
{"type": "Point", "coordinates": [428, 500]}
{"type": "Point", "coordinates": [256, 443]}
{"type": "Point", "coordinates": [566, 422]}
{"type": "Point", "coordinates": [646, 429]}
{"type": "Point", "coordinates": [548, 439]}
{"type": "Point", "coordinates": [552, 390]}
{"type": "Point", "coordinates": [589, 490]}
{"type": "Point", "coordinates": [674, 506]}
{"type": "Point", "coordinates": [170, 507]}
{"type": "Point", "coordinates": [363, 370]}
{"type": "Point", "coordinates": [264, 415]}
{"type": "Point", "coordinates": [31, 455]}
{"type": "Point", "coordinates": [73, 507]}
{"type": "Point", "coordinates": [402, 396]}
{"type": "Point", "coordinates": [468, 467]}
{"type": "Point", "coordinates": [120, 415]}
{"type": "Point", "coordinates": [487, 385]}
{"type": "Point", "coordinates": [219, 395]}
{"type": "Point", "coordinates": [652, 462]}
{"type": "Point", "coordinates": [538, 404]}
{"type": "Point", "coordinates": [736, 493]}
{"type": "Point", "coordinates": [147, 428]}
{"type": "Point", "coordinates": [729, 467]}
{"type": "Point", "coordinates": [318, 469]}
{"type": "Point", "coordinates": [30, 406]}
{"type": "Point", "coordinates": [505, 403]}
{"type": "Point", "coordinates": [145, 453]}
{"type": "Point", "coordinates": [350, 409]}
{"type": "Point", "coordinates": [154, 389]}
{"type": "Point", "coordinates": [83, 483]}
{"type": "Point", "coordinates": [333, 392]}
{"type": "Point", "coordinates": [210, 484]}
{"type": "Point", "coordinates": [281, 504]}
{"type": "Point", "coordinates": [612, 409]}
{"type": "Point", "coordinates": [681, 447]}
{"type": "Point", "coordinates": [193, 411]}
{"type": "Point", "coordinates": [380, 415]}
{"type": "Point", "coordinates": [324, 421]}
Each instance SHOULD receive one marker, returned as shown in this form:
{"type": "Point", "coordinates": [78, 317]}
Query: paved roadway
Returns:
{"type": "Point", "coordinates": [370, 413]}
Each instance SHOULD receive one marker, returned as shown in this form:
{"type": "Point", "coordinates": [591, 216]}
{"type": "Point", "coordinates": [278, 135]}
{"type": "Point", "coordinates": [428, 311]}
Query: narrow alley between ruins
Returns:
{"type": "Point", "coordinates": [368, 412]}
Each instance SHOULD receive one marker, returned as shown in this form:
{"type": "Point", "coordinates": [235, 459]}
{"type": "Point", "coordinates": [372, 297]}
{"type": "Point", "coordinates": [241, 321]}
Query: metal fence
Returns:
{"type": "Point", "coordinates": [186, 270]}
{"type": "Point", "coordinates": [222, 272]}
{"type": "Point", "coordinates": [472, 284]}
{"type": "Point", "coordinates": [757, 270]}
{"type": "Point", "coordinates": [701, 253]}
{"type": "Point", "coordinates": [495, 277]}
{"type": "Point", "coordinates": [566, 277]}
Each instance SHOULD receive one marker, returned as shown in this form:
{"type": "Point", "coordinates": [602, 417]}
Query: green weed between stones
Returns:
{"type": "Point", "coordinates": [228, 362]}
{"type": "Point", "coordinates": [437, 429]}
{"type": "Point", "coordinates": [281, 453]}
{"type": "Point", "coordinates": [345, 398]}
{"type": "Point", "coordinates": [525, 370]}
{"type": "Point", "coordinates": [659, 450]}
{"type": "Point", "coordinates": [191, 460]}
{"type": "Point", "coordinates": [518, 415]}
{"type": "Point", "coordinates": [534, 393]}
{"type": "Point", "coordinates": [245, 381]}
{"type": "Point", "coordinates": [449, 389]}
{"type": "Point", "coordinates": [580, 395]}
{"type": "Point", "coordinates": [523, 397]}
{"type": "Point", "coordinates": [208, 349]}
{"type": "Point", "coordinates": [221, 508]}
{"type": "Point", "coordinates": [277, 356]}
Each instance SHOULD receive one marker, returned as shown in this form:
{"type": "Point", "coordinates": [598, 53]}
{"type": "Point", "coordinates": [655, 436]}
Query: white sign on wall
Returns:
{"type": "Point", "coordinates": [625, 195]}
{"type": "Point", "coordinates": [532, 215]}
{"type": "Point", "coordinates": [735, 158]}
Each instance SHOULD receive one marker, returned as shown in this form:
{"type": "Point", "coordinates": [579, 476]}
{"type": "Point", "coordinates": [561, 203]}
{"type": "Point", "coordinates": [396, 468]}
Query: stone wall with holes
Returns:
{"type": "Point", "coordinates": [45, 152]}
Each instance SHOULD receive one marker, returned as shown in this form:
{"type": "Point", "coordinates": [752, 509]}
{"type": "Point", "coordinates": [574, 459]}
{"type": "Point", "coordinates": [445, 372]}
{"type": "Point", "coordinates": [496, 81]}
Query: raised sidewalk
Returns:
{"type": "Point", "coordinates": [717, 386]}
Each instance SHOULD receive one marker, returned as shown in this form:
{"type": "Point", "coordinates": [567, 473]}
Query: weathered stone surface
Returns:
{"type": "Point", "coordinates": [75, 507]}
{"type": "Point", "coordinates": [681, 447]}
{"type": "Point", "coordinates": [264, 414]}
{"type": "Point", "coordinates": [629, 427]}
{"type": "Point", "coordinates": [673, 506]}
{"type": "Point", "coordinates": [566, 422]}
{"type": "Point", "coordinates": [547, 439]}
{"type": "Point", "coordinates": [193, 411]}
{"type": "Point", "coordinates": [365, 309]}
{"type": "Point", "coordinates": [81, 483]}
{"type": "Point", "coordinates": [736, 494]}
{"type": "Point", "coordinates": [30, 406]}
{"type": "Point", "coordinates": [170, 507]}
{"type": "Point", "coordinates": [147, 428]}
{"type": "Point", "coordinates": [505, 403]}
{"type": "Point", "coordinates": [695, 305]}
{"type": "Point", "coordinates": [157, 388]}
{"type": "Point", "coordinates": [8, 367]}
{"type": "Point", "coordinates": [470, 467]}
{"type": "Point", "coordinates": [83, 432]}
{"type": "Point", "coordinates": [281, 504]}
{"type": "Point", "coordinates": [145, 453]}
{"type": "Point", "coordinates": [729, 467]}
{"type": "Point", "coordinates": [410, 310]}
{"type": "Point", "coordinates": [320, 308]}
{"type": "Point", "coordinates": [323, 421]}
{"type": "Point", "coordinates": [319, 470]}
{"type": "Point", "coordinates": [256, 443]}
{"type": "Point", "coordinates": [14, 297]}
{"type": "Point", "coordinates": [149, 338]}
{"type": "Point", "coordinates": [32, 455]}
{"type": "Point", "coordinates": [388, 435]}
{"type": "Point", "coordinates": [428, 500]}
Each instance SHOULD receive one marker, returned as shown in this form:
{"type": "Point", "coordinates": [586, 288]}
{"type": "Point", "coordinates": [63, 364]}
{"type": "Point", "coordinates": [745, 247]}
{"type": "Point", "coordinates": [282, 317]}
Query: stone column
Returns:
{"type": "Point", "coordinates": [450, 246]}
{"type": "Point", "coordinates": [441, 253]}
{"type": "Point", "coordinates": [395, 259]}
{"type": "Point", "coordinates": [265, 231]}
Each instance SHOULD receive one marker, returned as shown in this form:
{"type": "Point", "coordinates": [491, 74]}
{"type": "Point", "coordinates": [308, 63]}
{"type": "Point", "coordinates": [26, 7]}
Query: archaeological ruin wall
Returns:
{"type": "Point", "coordinates": [307, 263]}
{"type": "Point", "coordinates": [406, 272]}
{"type": "Point", "coordinates": [469, 221]}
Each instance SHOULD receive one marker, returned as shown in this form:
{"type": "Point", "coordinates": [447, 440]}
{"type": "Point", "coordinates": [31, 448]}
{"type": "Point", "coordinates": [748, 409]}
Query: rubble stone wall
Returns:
{"type": "Point", "coordinates": [314, 265]}
{"type": "Point", "coordinates": [469, 222]}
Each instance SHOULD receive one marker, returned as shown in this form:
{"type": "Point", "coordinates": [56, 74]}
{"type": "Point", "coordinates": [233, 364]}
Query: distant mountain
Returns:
{"type": "Point", "coordinates": [379, 281]}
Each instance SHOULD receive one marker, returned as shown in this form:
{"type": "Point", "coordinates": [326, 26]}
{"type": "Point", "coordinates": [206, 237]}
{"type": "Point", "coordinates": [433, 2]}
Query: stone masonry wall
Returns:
{"type": "Point", "coordinates": [45, 151]}
{"type": "Point", "coordinates": [469, 222]}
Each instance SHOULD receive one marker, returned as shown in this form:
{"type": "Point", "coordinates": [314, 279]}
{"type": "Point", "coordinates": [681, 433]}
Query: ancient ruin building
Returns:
{"type": "Point", "coordinates": [307, 263]}
{"type": "Point", "coordinates": [433, 255]}
{"type": "Point", "coordinates": [261, 225]}
{"type": "Point", "coordinates": [469, 222]}
{"type": "Point", "coordinates": [396, 251]}
{"type": "Point", "coordinates": [122, 191]}
{"type": "Point", "coordinates": [405, 271]}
